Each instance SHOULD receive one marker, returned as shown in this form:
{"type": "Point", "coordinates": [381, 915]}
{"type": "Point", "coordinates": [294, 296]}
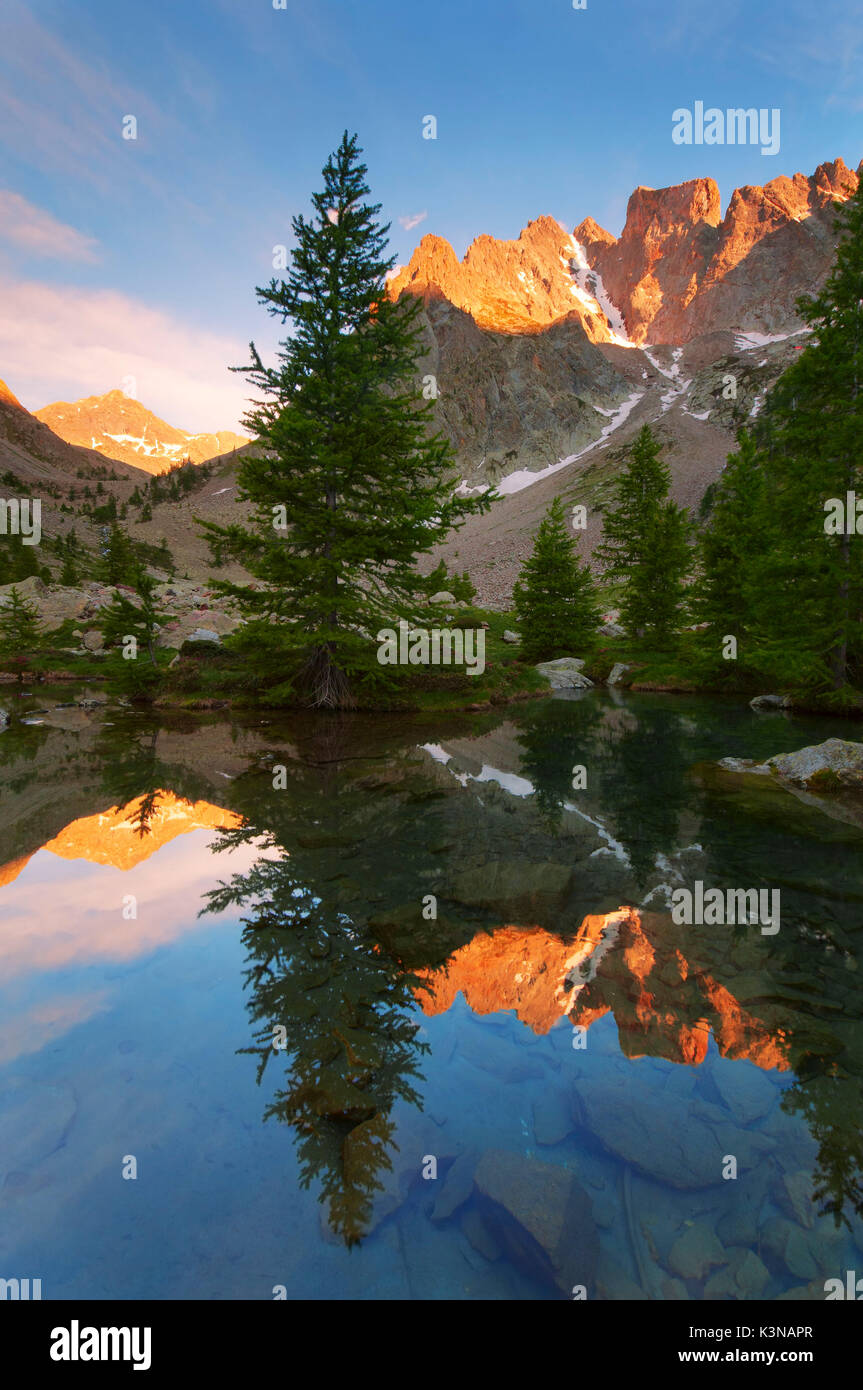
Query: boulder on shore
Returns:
{"type": "Point", "coordinates": [617, 672]}
{"type": "Point", "coordinates": [770, 702]}
{"type": "Point", "coordinates": [564, 673]}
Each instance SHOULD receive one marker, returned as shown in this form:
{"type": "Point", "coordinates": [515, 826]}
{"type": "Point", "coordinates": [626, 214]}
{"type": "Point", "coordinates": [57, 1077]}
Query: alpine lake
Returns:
{"type": "Point", "coordinates": [356, 1007]}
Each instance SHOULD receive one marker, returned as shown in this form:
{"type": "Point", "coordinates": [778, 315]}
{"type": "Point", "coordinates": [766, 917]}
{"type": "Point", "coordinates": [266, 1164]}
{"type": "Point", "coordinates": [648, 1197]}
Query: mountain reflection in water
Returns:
{"type": "Point", "coordinates": [622, 1058]}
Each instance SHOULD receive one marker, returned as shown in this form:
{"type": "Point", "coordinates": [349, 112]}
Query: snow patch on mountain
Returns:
{"type": "Point", "coordinates": [591, 293]}
{"type": "Point", "coordinates": [518, 481]}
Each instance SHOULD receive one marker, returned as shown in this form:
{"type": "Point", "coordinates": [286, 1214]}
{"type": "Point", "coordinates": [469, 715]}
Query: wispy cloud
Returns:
{"type": "Point", "coordinates": [413, 220]}
{"type": "Point", "coordinates": [66, 110]}
{"type": "Point", "coordinates": [827, 57]}
{"type": "Point", "coordinates": [65, 342]}
{"type": "Point", "coordinates": [39, 233]}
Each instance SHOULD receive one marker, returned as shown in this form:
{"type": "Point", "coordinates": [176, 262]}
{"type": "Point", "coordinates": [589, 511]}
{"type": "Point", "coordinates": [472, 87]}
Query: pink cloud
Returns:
{"type": "Point", "coordinates": [61, 343]}
{"type": "Point", "coordinates": [413, 220]}
{"type": "Point", "coordinates": [39, 233]}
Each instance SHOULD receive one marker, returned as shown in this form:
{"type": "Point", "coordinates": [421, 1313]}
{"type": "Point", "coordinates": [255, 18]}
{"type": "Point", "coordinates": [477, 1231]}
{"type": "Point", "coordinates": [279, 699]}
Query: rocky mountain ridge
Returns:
{"type": "Point", "coordinates": [678, 269]}
{"type": "Point", "coordinates": [120, 427]}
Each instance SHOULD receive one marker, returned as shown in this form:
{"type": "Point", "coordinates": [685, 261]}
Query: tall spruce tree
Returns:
{"type": "Point", "coordinates": [554, 596]}
{"type": "Point", "coordinates": [645, 542]}
{"type": "Point", "coordinates": [809, 606]}
{"type": "Point", "coordinates": [729, 546]}
{"type": "Point", "coordinates": [118, 564]}
{"type": "Point", "coordinates": [347, 484]}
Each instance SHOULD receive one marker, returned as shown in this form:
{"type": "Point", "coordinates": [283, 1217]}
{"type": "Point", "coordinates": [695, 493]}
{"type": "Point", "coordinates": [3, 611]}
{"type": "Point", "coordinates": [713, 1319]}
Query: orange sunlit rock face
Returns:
{"type": "Point", "coordinates": [619, 962]}
{"type": "Point", "coordinates": [678, 269]}
{"type": "Point", "coordinates": [120, 427]}
{"type": "Point", "coordinates": [113, 837]}
{"type": "Point", "coordinates": [519, 286]}
{"type": "Point", "coordinates": [9, 872]}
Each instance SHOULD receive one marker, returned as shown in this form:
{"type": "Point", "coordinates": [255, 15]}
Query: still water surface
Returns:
{"type": "Point", "coordinates": [501, 1070]}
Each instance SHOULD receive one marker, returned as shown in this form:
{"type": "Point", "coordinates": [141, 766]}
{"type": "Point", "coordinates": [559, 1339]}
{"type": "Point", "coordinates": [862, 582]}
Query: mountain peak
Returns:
{"type": "Point", "coordinates": [663, 280]}
{"type": "Point", "coordinates": [697, 200]}
{"type": "Point", "coordinates": [519, 286]}
{"type": "Point", "coordinates": [589, 233]}
{"type": "Point", "coordinates": [120, 427]}
{"type": "Point", "coordinates": [7, 398]}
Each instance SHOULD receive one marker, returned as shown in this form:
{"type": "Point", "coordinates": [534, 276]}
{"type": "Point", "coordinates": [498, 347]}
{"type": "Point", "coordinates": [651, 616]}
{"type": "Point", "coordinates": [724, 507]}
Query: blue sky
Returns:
{"type": "Point", "coordinates": [123, 258]}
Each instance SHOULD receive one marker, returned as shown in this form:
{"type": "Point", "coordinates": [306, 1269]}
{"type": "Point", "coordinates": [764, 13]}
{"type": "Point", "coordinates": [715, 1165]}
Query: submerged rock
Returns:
{"type": "Point", "coordinates": [540, 1216]}
{"type": "Point", "coordinates": [745, 1277]}
{"type": "Point", "coordinates": [479, 1235]}
{"type": "Point", "coordinates": [826, 775]}
{"type": "Point", "coordinates": [457, 1186]}
{"type": "Point", "coordinates": [684, 1150]}
{"type": "Point", "coordinates": [745, 1090]}
{"type": "Point", "coordinates": [696, 1252]}
{"type": "Point", "coordinates": [794, 1196]}
{"type": "Point", "coordinates": [552, 1118]}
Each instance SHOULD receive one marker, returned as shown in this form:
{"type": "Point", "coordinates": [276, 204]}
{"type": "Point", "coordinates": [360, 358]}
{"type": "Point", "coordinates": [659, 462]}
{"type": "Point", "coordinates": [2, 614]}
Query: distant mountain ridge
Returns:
{"type": "Point", "coordinates": [120, 427]}
{"type": "Point", "coordinates": [33, 452]}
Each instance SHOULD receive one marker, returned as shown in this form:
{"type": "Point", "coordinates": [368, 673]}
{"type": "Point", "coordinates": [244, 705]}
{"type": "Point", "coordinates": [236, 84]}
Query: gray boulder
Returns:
{"type": "Point", "coordinates": [835, 755]}
{"type": "Point", "coordinates": [204, 634]}
{"type": "Point", "coordinates": [442, 596]}
{"type": "Point", "coordinates": [770, 702]}
{"type": "Point", "coordinates": [618, 670]}
{"type": "Point", "coordinates": [564, 673]}
{"type": "Point", "coordinates": [511, 637]}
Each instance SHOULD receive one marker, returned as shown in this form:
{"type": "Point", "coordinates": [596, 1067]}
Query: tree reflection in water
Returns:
{"type": "Point", "coordinates": [339, 1008]}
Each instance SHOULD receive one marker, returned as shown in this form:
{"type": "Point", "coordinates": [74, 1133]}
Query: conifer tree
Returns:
{"type": "Point", "coordinates": [20, 627]}
{"type": "Point", "coordinates": [810, 566]}
{"type": "Point", "coordinates": [134, 675]}
{"type": "Point", "coordinates": [69, 573]}
{"type": "Point", "coordinates": [17, 560]}
{"type": "Point", "coordinates": [554, 596]}
{"type": "Point", "coordinates": [347, 485]}
{"type": "Point", "coordinates": [119, 565]}
{"type": "Point", "coordinates": [723, 595]}
{"type": "Point", "coordinates": [645, 542]}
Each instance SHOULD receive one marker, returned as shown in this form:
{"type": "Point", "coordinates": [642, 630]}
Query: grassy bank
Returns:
{"type": "Point", "coordinates": [203, 675]}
